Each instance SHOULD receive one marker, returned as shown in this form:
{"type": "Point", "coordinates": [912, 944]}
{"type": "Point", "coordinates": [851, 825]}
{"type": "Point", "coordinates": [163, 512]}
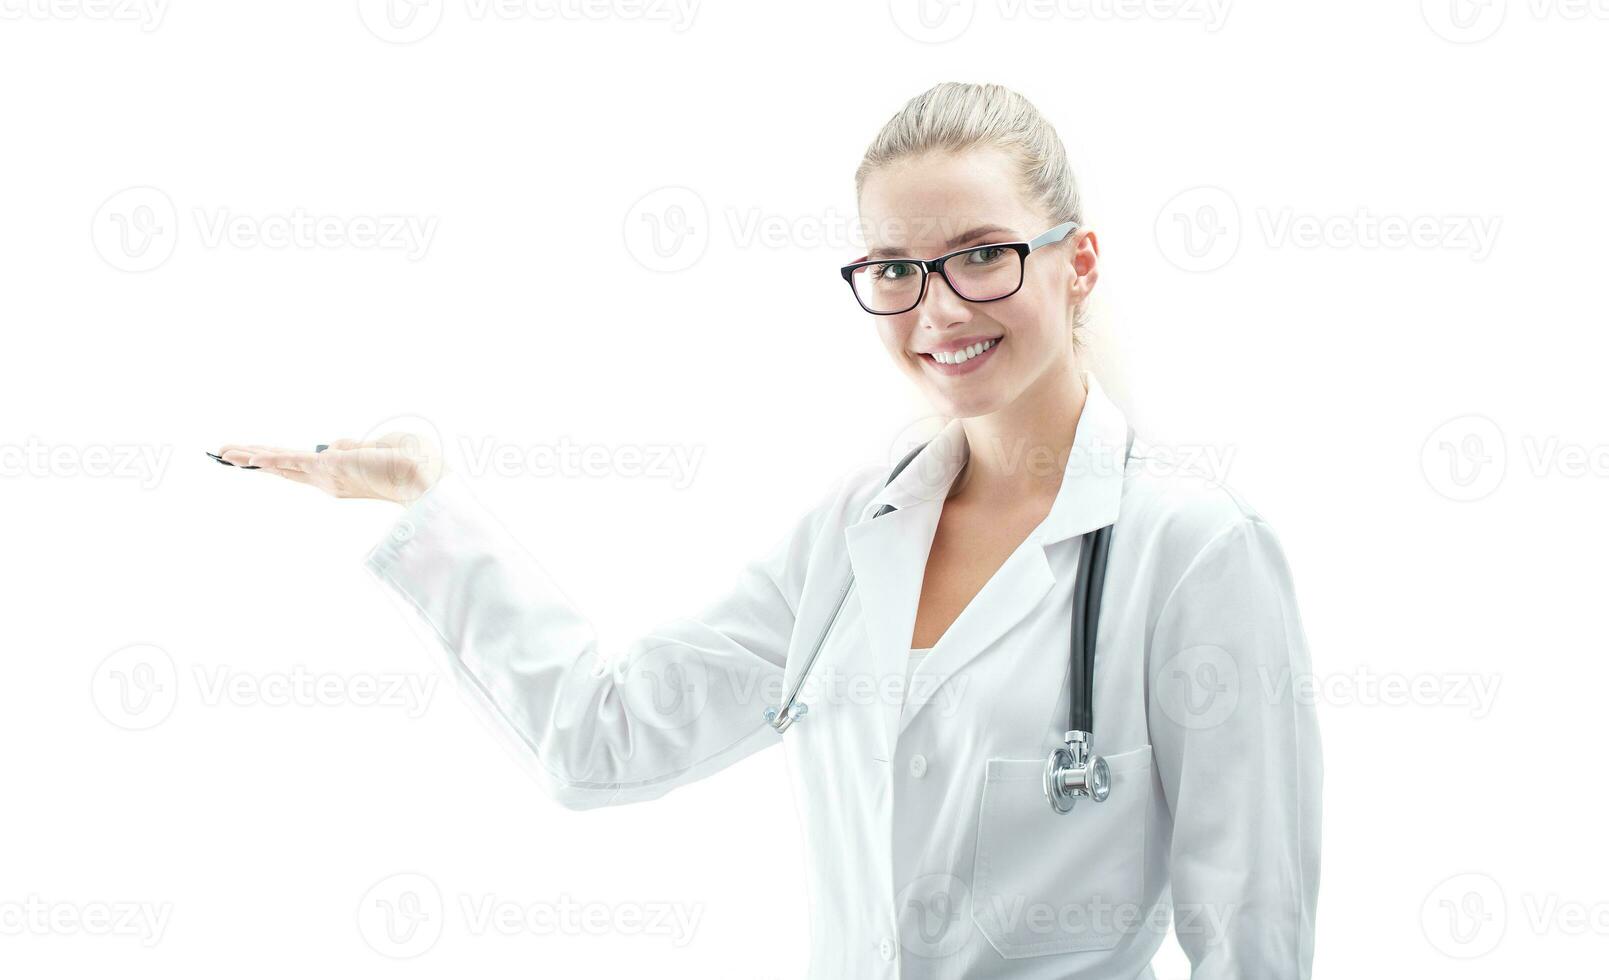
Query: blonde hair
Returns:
{"type": "Point", "coordinates": [956, 116]}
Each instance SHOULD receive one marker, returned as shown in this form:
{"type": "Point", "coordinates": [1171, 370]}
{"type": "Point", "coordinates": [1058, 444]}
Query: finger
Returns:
{"type": "Point", "coordinates": [298, 459]}
{"type": "Point", "coordinates": [247, 447]}
{"type": "Point", "coordinates": [240, 455]}
{"type": "Point", "coordinates": [295, 475]}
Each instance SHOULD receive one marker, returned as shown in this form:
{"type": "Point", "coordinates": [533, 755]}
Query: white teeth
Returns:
{"type": "Point", "coordinates": [964, 354]}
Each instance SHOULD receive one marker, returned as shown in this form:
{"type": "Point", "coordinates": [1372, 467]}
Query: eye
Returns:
{"type": "Point", "coordinates": [893, 271]}
{"type": "Point", "coordinates": [987, 255]}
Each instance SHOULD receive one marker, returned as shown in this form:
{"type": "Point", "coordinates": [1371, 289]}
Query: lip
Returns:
{"type": "Point", "coordinates": [960, 342]}
{"type": "Point", "coordinates": [974, 364]}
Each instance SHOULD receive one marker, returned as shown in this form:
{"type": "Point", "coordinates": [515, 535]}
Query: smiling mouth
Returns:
{"type": "Point", "coordinates": [951, 360]}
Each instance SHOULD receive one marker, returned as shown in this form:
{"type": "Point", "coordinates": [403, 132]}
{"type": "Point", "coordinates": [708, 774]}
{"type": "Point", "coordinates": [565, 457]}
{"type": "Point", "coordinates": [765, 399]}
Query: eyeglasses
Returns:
{"type": "Point", "coordinates": [978, 274]}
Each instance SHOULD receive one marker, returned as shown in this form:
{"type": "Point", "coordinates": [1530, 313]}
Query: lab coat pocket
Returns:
{"type": "Point", "coordinates": [1046, 882]}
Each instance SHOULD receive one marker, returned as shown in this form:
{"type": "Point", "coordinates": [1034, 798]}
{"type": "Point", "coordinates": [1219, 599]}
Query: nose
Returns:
{"type": "Point", "coordinates": [941, 306]}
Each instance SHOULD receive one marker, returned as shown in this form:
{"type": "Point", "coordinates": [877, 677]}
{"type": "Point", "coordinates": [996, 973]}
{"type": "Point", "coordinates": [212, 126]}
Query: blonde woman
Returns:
{"type": "Point", "coordinates": [946, 838]}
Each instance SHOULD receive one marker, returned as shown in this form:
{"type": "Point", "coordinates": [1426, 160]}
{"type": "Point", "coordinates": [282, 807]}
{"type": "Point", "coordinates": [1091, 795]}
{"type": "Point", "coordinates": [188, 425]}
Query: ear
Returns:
{"type": "Point", "coordinates": [1086, 252]}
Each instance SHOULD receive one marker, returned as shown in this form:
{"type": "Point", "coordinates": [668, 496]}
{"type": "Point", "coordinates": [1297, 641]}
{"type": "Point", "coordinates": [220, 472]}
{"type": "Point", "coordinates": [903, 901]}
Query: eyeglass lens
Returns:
{"type": "Point", "coordinates": [978, 275]}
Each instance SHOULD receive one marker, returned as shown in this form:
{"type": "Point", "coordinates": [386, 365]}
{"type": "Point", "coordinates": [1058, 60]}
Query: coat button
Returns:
{"type": "Point", "coordinates": [918, 766]}
{"type": "Point", "coordinates": [886, 947]}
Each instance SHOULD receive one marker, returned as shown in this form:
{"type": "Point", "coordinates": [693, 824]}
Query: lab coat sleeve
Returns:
{"type": "Point", "coordinates": [1238, 755]}
{"type": "Point", "coordinates": [677, 704]}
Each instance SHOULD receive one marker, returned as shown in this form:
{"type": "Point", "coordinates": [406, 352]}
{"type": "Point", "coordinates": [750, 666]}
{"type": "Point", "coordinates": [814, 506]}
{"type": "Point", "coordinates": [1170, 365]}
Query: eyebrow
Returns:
{"type": "Point", "coordinates": [900, 253]}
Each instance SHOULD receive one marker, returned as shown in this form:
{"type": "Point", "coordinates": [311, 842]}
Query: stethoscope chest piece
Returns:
{"type": "Point", "coordinates": [1072, 772]}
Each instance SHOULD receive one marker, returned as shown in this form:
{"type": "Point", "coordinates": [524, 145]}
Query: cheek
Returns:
{"type": "Point", "coordinates": [895, 336]}
{"type": "Point", "coordinates": [1025, 321]}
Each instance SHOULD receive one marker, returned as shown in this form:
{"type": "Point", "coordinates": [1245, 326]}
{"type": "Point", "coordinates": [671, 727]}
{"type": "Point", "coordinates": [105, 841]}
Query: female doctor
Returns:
{"type": "Point", "coordinates": [942, 681]}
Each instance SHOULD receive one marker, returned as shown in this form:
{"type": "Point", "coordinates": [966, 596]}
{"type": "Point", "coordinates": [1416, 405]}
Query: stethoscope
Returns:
{"type": "Point", "coordinates": [1072, 771]}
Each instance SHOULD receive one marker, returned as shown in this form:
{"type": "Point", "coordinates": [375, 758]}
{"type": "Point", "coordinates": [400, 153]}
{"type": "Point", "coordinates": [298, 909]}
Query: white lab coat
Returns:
{"type": "Point", "coordinates": [933, 852]}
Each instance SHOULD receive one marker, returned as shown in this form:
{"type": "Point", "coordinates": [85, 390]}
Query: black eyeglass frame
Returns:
{"type": "Point", "coordinates": [930, 266]}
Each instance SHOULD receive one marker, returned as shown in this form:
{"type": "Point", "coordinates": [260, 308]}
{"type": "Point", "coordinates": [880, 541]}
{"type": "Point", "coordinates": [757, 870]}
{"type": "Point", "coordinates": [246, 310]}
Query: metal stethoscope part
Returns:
{"type": "Point", "coordinates": [1072, 770]}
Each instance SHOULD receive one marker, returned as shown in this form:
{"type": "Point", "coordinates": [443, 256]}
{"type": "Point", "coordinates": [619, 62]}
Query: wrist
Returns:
{"type": "Point", "coordinates": [417, 481]}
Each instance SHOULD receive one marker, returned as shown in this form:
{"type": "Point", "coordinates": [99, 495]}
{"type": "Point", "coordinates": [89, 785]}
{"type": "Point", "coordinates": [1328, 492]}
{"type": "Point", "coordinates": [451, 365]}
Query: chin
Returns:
{"type": "Point", "coordinates": [969, 405]}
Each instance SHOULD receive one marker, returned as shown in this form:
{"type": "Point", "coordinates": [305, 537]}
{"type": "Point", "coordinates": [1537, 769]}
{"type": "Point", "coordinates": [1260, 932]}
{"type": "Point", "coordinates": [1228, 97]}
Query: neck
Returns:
{"type": "Point", "coordinates": [1020, 453]}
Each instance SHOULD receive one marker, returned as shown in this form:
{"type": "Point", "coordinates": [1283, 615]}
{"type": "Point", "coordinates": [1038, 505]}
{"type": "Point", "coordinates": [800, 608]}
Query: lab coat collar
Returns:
{"type": "Point", "coordinates": [888, 553]}
{"type": "Point", "coordinates": [1091, 486]}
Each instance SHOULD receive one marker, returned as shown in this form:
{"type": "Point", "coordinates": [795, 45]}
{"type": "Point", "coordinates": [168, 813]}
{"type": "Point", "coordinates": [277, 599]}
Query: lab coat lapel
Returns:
{"type": "Point", "coordinates": [889, 555]}
{"type": "Point", "coordinates": [1092, 483]}
{"type": "Point", "coordinates": [889, 558]}
{"type": "Point", "coordinates": [1016, 588]}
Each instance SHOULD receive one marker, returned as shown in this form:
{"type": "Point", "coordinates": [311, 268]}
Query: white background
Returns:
{"type": "Point", "coordinates": [1422, 422]}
